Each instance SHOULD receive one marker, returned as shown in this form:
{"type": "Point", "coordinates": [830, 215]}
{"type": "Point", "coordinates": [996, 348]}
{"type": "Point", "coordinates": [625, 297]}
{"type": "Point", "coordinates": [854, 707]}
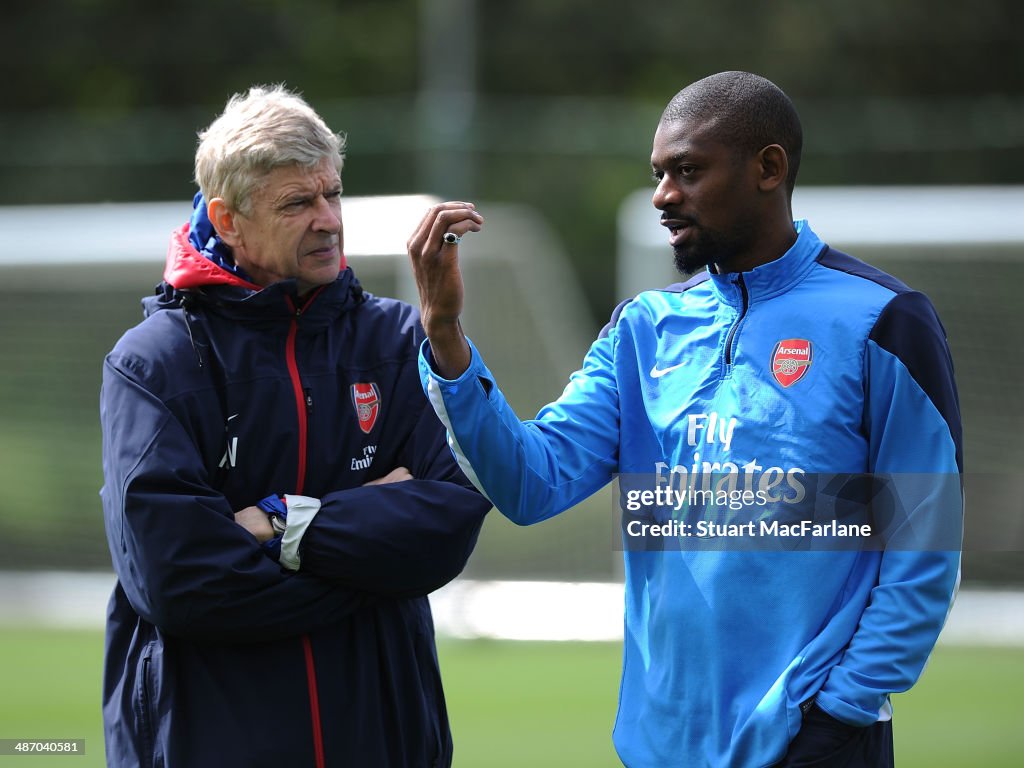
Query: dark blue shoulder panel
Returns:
{"type": "Point", "coordinates": [614, 319]}
{"type": "Point", "coordinates": [694, 281]}
{"type": "Point", "coordinates": [697, 279]}
{"type": "Point", "coordinates": [909, 328]}
{"type": "Point", "coordinates": [842, 262]}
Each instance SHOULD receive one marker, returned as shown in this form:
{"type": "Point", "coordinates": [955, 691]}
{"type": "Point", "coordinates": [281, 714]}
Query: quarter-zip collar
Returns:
{"type": "Point", "coordinates": [775, 277]}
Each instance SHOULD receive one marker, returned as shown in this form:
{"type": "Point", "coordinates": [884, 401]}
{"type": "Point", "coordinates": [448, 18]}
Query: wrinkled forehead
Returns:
{"type": "Point", "coordinates": [298, 177]}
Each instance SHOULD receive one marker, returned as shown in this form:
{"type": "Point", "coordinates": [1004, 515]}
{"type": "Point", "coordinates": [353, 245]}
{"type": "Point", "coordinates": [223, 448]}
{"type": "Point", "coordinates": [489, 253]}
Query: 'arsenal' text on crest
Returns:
{"type": "Point", "coordinates": [366, 401]}
{"type": "Point", "coordinates": [791, 360]}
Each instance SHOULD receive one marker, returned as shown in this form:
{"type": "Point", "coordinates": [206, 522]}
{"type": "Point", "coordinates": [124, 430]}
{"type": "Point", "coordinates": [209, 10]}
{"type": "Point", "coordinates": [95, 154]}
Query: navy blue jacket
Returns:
{"type": "Point", "coordinates": [216, 654]}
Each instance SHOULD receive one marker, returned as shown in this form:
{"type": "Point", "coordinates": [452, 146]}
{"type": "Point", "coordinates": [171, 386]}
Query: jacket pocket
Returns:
{"type": "Point", "coordinates": [822, 740]}
{"type": "Point", "coordinates": [145, 710]}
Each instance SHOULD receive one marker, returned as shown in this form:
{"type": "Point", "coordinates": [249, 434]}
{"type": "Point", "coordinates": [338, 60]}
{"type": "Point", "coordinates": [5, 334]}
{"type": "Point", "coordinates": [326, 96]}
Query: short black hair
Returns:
{"type": "Point", "coordinates": [747, 111]}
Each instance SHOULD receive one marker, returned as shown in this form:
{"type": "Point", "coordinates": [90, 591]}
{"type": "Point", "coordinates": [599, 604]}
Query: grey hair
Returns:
{"type": "Point", "coordinates": [266, 128]}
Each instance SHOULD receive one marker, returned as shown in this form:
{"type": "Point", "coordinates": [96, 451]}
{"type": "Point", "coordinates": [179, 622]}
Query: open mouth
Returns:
{"type": "Point", "coordinates": [677, 230]}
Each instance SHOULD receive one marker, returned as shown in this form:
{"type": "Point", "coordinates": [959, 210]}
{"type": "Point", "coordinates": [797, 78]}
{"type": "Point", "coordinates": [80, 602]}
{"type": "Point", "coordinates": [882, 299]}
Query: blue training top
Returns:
{"type": "Point", "coordinates": [812, 363]}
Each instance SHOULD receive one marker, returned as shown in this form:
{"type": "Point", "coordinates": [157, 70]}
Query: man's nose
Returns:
{"type": "Point", "coordinates": [328, 216]}
{"type": "Point", "coordinates": [666, 193]}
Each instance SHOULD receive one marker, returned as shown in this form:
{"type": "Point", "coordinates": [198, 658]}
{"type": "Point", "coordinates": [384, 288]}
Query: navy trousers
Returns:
{"type": "Point", "coordinates": [824, 742]}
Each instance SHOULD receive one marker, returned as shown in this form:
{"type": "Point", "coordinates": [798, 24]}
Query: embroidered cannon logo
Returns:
{"type": "Point", "coordinates": [366, 401]}
{"type": "Point", "coordinates": [791, 360]}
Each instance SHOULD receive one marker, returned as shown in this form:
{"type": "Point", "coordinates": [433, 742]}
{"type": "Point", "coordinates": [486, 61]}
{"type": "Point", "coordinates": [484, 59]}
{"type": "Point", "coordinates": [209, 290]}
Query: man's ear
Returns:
{"type": "Point", "coordinates": [224, 221]}
{"type": "Point", "coordinates": [773, 163]}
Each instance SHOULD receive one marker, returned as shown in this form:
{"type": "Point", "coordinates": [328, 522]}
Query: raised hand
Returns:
{"type": "Point", "coordinates": [434, 252]}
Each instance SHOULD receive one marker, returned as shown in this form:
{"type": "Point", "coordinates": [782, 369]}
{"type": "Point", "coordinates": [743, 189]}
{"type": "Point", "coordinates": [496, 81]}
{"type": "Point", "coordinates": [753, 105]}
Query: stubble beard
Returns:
{"type": "Point", "coordinates": [711, 248]}
{"type": "Point", "coordinates": [687, 261]}
{"type": "Point", "coordinates": [706, 249]}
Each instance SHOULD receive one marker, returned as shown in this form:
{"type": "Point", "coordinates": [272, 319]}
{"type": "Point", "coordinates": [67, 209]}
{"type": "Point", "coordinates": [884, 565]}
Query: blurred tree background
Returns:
{"type": "Point", "coordinates": [549, 102]}
{"type": "Point", "coordinates": [552, 103]}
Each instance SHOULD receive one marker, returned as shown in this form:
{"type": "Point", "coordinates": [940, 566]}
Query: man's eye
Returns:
{"type": "Point", "coordinates": [657, 176]}
{"type": "Point", "coordinates": [686, 170]}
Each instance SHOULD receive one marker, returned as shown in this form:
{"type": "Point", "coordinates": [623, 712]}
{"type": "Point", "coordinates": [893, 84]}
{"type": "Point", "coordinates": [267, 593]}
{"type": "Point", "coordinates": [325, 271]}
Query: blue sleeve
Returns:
{"type": "Point", "coordinates": [184, 563]}
{"type": "Point", "coordinates": [400, 539]}
{"type": "Point", "coordinates": [535, 469]}
{"type": "Point", "coordinates": [913, 423]}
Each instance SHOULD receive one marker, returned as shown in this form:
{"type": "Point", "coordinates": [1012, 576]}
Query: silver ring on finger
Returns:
{"type": "Point", "coordinates": [450, 238]}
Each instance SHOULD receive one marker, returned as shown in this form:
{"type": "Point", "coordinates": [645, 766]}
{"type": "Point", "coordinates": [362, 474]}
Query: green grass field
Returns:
{"type": "Point", "coordinates": [536, 704]}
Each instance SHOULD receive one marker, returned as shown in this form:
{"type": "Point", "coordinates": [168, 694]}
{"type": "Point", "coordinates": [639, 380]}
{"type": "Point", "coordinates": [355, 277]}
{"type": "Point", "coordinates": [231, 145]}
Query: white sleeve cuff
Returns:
{"type": "Point", "coordinates": [301, 511]}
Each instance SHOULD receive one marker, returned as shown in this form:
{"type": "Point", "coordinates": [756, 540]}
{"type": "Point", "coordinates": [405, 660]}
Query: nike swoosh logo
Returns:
{"type": "Point", "coordinates": [657, 373]}
{"type": "Point", "coordinates": [232, 417]}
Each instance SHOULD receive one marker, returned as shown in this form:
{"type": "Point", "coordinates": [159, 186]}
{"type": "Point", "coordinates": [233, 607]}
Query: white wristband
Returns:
{"type": "Point", "coordinates": [301, 511]}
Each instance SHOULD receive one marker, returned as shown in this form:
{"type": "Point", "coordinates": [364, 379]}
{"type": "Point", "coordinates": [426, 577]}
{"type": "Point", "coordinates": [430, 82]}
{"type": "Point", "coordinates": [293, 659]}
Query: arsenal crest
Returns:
{"type": "Point", "coordinates": [790, 361]}
{"type": "Point", "coordinates": [366, 401]}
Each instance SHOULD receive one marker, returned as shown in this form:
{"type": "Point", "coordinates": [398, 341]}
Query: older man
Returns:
{"type": "Point", "coordinates": [279, 500]}
{"type": "Point", "coordinates": [781, 368]}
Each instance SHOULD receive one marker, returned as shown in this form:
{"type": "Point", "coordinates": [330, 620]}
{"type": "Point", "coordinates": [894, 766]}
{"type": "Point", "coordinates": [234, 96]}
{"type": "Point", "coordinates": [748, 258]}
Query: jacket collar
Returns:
{"type": "Point", "coordinates": [188, 268]}
{"type": "Point", "coordinates": [775, 277]}
{"type": "Point", "coordinates": [191, 277]}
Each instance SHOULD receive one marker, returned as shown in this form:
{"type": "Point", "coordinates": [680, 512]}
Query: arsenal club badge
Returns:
{"type": "Point", "coordinates": [366, 401]}
{"type": "Point", "coordinates": [790, 361]}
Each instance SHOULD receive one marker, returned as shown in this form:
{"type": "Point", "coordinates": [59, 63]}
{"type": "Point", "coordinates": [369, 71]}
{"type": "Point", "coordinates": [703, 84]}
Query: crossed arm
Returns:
{"type": "Point", "coordinates": [188, 567]}
{"type": "Point", "coordinates": [257, 522]}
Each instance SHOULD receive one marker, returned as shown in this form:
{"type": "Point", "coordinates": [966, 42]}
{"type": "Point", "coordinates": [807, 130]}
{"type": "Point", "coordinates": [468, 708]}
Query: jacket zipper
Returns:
{"type": "Point", "coordinates": [303, 404]}
{"type": "Point", "coordinates": [300, 400]}
{"type": "Point", "coordinates": [314, 701]}
{"type": "Point", "coordinates": [145, 713]}
{"type": "Point", "coordinates": [303, 397]}
{"type": "Point", "coordinates": [735, 327]}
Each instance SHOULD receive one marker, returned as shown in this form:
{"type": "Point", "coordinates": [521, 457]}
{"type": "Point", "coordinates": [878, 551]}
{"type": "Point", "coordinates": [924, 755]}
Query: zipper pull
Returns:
{"type": "Point", "coordinates": [309, 401]}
